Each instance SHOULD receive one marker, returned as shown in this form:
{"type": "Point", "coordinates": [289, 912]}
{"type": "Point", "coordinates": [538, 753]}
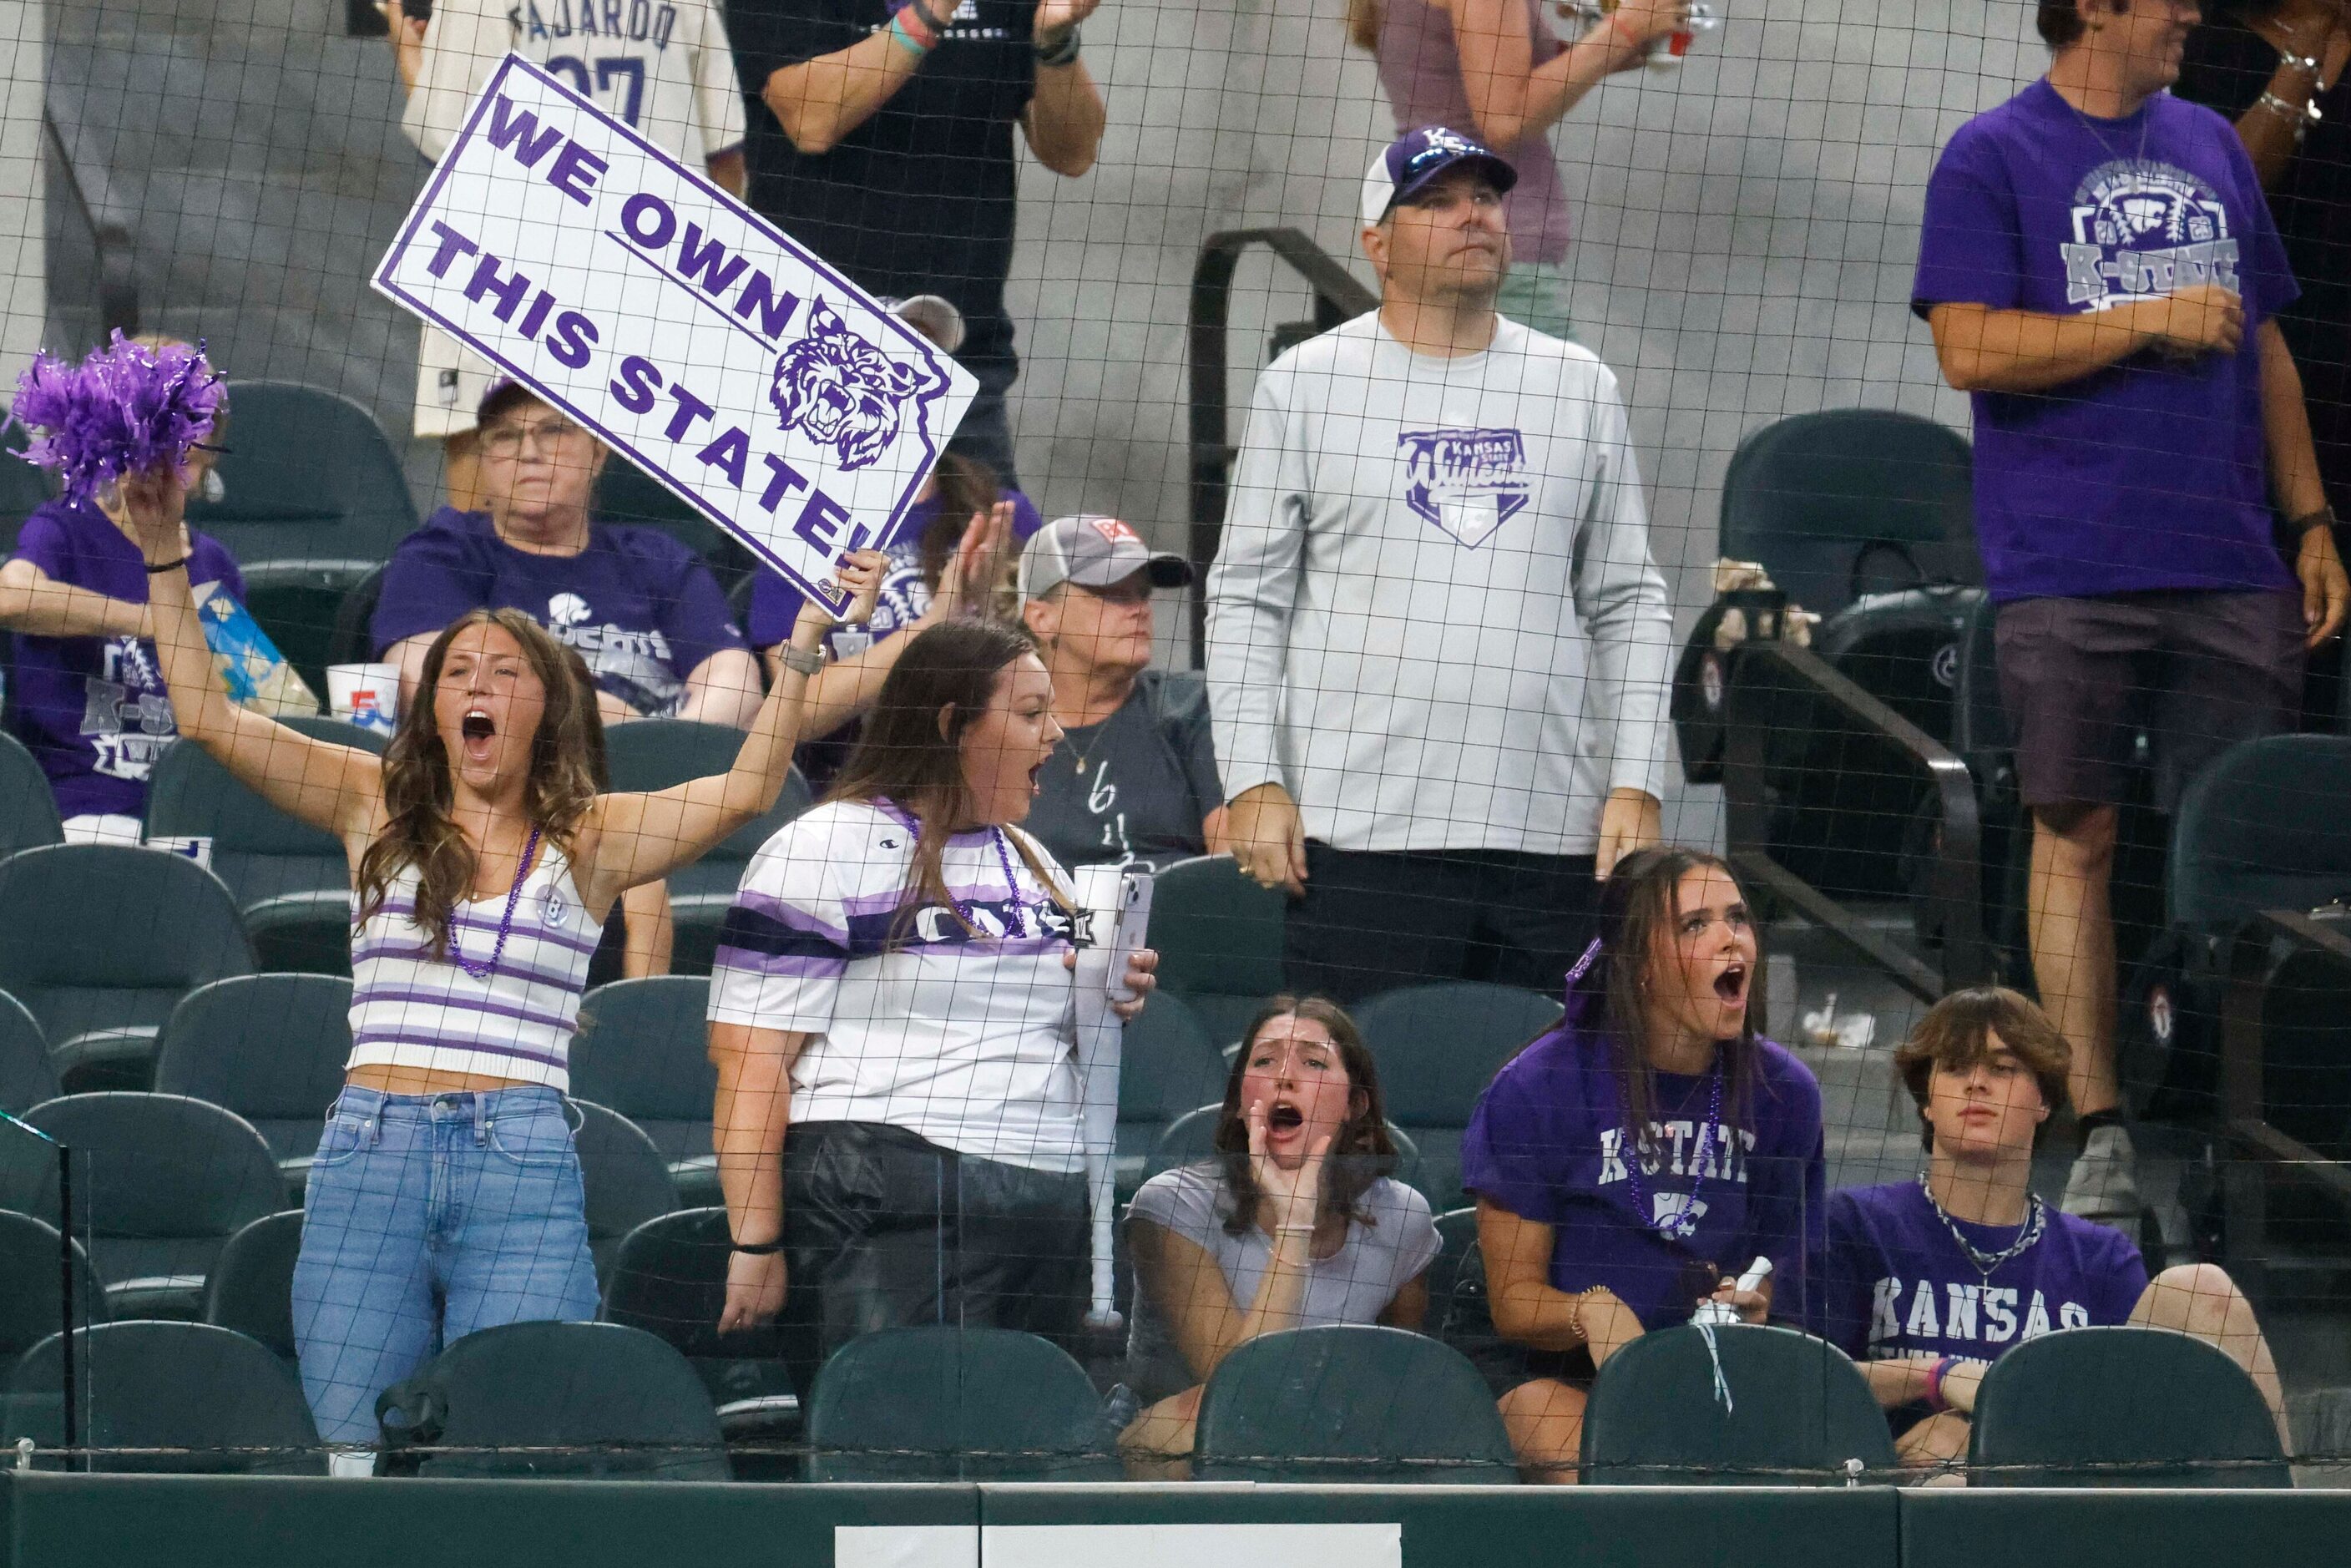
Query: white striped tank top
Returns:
{"type": "Point", "coordinates": [409, 1010]}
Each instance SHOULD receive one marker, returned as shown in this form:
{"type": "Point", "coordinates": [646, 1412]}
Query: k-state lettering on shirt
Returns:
{"type": "Point", "coordinates": [1895, 1283]}
{"type": "Point", "coordinates": [960, 1034]}
{"type": "Point", "coordinates": [1549, 1142]}
{"type": "Point", "coordinates": [641, 607]}
{"type": "Point", "coordinates": [2152, 472]}
{"type": "Point", "coordinates": [94, 711]}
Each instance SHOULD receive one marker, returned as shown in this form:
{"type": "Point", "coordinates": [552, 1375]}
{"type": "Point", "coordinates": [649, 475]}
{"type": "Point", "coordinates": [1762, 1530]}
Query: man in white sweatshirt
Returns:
{"type": "Point", "coordinates": [1438, 648]}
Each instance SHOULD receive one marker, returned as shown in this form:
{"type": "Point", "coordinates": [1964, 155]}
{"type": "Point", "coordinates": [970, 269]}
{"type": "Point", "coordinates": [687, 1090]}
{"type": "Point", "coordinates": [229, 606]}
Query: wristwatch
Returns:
{"type": "Point", "coordinates": [807, 661]}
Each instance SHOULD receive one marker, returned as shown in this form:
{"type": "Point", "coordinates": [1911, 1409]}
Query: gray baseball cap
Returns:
{"type": "Point", "coordinates": [1093, 551]}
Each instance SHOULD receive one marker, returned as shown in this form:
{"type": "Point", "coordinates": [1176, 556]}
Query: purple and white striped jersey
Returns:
{"type": "Point", "coordinates": [914, 1021]}
{"type": "Point", "coordinates": [410, 1010]}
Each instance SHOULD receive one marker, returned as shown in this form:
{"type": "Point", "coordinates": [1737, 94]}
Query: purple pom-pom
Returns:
{"type": "Point", "coordinates": [126, 409]}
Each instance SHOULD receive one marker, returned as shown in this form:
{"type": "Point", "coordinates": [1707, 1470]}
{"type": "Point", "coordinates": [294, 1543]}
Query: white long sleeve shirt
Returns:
{"type": "Point", "coordinates": [1434, 618]}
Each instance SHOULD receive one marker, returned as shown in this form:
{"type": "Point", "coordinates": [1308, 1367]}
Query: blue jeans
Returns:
{"type": "Point", "coordinates": [429, 1216]}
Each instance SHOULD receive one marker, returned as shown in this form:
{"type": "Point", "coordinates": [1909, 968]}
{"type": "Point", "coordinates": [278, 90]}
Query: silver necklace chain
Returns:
{"type": "Point", "coordinates": [2036, 1220]}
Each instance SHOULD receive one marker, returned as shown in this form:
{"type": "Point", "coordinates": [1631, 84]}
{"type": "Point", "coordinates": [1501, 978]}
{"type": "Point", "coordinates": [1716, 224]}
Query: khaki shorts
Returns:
{"type": "Point", "coordinates": [2198, 670]}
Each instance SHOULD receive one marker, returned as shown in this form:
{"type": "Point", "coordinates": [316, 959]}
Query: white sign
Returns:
{"type": "Point", "coordinates": [692, 335]}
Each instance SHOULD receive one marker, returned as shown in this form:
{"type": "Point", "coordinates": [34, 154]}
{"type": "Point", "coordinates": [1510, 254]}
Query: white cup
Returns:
{"type": "Point", "coordinates": [365, 694]}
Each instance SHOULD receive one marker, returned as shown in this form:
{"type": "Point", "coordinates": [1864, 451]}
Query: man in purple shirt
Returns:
{"type": "Point", "coordinates": [2101, 272]}
{"type": "Point", "coordinates": [89, 702]}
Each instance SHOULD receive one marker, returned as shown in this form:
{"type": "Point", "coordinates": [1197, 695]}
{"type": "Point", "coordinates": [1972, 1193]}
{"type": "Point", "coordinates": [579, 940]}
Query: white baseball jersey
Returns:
{"type": "Point", "coordinates": [663, 66]}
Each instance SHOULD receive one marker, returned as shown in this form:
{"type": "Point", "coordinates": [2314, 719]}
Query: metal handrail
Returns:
{"type": "Point", "coordinates": [1338, 296]}
{"type": "Point", "coordinates": [1756, 672]}
{"type": "Point", "coordinates": [93, 196]}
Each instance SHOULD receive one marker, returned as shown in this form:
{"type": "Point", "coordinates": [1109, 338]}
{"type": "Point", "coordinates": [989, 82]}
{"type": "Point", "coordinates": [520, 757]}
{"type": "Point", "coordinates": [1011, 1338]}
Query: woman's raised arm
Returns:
{"type": "Point", "coordinates": [333, 788]}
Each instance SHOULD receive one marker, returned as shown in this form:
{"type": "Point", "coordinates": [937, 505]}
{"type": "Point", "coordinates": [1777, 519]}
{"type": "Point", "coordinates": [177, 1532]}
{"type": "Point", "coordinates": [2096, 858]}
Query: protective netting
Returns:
{"type": "Point", "coordinates": [1705, 638]}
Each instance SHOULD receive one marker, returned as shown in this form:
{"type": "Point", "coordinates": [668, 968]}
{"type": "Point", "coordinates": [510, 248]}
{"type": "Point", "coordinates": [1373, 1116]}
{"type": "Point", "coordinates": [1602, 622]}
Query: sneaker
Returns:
{"type": "Point", "coordinates": [2104, 1185]}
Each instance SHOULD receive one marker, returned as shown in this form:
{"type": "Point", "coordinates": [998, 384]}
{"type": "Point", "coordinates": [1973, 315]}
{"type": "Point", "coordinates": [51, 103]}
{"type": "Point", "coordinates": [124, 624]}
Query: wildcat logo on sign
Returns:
{"type": "Point", "coordinates": [1468, 482]}
{"type": "Point", "coordinates": [844, 392]}
{"type": "Point", "coordinates": [703, 344]}
{"type": "Point", "coordinates": [2141, 227]}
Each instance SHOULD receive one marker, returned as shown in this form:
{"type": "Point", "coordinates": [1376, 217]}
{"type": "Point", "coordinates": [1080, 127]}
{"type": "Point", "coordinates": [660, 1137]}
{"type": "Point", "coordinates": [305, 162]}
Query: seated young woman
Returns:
{"type": "Point", "coordinates": [1927, 1282]}
{"type": "Point", "coordinates": [1294, 1223]}
{"type": "Point", "coordinates": [1636, 1159]}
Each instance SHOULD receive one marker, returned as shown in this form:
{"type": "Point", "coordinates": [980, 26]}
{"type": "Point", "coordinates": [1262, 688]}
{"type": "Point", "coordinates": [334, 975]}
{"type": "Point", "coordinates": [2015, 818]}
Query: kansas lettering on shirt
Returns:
{"type": "Point", "coordinates": [1895, 1283]}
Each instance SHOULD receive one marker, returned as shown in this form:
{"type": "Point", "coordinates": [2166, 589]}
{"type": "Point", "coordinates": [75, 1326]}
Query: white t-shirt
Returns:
{"type": "Point", "coordinates": [1353, 1285]}
{"type": "Point", "coordinates": [663, 66]}
{"type": "Point", "coordinates": [1433, 616]}
{"type": "Point", "coordinates": [964, 1040]}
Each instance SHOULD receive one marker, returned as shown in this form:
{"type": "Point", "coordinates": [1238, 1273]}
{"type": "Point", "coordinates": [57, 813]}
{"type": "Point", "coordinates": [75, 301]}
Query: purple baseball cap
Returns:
{"type": "Point", "coordinates": [1418, 157]}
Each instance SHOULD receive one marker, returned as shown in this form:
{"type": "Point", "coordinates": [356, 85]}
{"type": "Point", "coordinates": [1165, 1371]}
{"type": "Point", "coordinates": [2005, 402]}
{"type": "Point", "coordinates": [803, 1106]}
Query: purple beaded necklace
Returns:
{"type": "Point", "coordinates": [1683, 1224]}
{"type": "Point", "coordinates": [506, 921]}
{"type": "Point", "coordinates": [962, 908]}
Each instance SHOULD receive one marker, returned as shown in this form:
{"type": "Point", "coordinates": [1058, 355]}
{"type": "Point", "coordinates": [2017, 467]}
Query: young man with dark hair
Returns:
{"type": "Point", "coordinates": [2101, 272]}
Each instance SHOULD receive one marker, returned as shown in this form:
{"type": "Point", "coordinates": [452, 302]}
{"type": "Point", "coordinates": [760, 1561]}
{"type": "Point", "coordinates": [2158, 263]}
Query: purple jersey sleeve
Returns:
{"type": "Point", "coordinates": [774, 605]}
{"type": "Point", "coordinates": [1970, 251]}
{"type": "Point", "coordinates": [1513, 1148]}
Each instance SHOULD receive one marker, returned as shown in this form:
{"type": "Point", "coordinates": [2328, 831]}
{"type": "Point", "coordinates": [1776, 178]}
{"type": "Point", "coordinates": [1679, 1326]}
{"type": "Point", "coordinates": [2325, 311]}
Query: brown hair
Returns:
{"type": "Point", "coordinates": [901, 755]}
{"type": "Point", "coordinates": [418, 793]}
{"type": "Point", "coordinates": [1638, 907]}
{"type": "Point", "coordinates": [1361, 1151]}
{"type": "Point", "coordinates": [1363, 19]}
{"type": "Point", "coordinates": [1955, 1034]}
{"type": "Point", "coordinates": [2059, 22]}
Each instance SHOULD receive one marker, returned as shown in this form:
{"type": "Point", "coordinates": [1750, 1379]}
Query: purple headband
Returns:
{"type": "Point", "coordinates": [125, 409]}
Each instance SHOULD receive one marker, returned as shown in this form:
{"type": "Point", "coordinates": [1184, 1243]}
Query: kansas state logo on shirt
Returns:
{"type": "Point", "coordinates": [845, 394]}
{"type": "Point", "coordinates": [2142, 227]}
{"type": "Point", "coordinates": [1468, 482]}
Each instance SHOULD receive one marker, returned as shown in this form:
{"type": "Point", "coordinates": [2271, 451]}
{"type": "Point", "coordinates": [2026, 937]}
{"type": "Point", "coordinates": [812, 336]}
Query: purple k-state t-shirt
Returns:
{"type": "Point", "coordinates": [1549, 1142]}
{"type": "Point", "coordinates": [641, 607]}
{"type": "Point", "coordinates": [2150, 473]}
{"type": "Point", "coordinates": [94, 710]}
{"type": "Point", "coordinates": [1894, 1282]}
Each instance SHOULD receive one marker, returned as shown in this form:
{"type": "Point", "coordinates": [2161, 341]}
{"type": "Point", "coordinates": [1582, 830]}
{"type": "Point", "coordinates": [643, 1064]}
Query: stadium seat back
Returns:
{"type": "Point", "coordinates": [28, 809]}
{"type": "Point", "coordinates": [566, 1400]}
{"type": "Point", "coordinates": [656, 753]}
{"type": "Point", "coordinates": [1457, 1238]}
{"type": "Point", "coordinates": [1852, 501]}
{"type": "Point", "coordinates": [668, 1277]}
{"type": "Point", "coordinates": [946, 1403]}
{"type": "Point", "coordinates": [23, 487]}
{"type": "Point", "coordinates": [643, 1049]}
{"type": "Point", "coordinates": [160, 1184]}
{"type": "Point", "coordinates": [2122, 1408]}
{"type": "Point", "coordinates": [100, 941]}
{"type": "Point", "coordinates": [1353, 1403]}
{"type": "Point", "coordinates": [1169, 1066]}
{"type": "Point", "coordinates": [627, 1180]}
{"type": "Point", "coordinates": [1219, 936]}
{"type": "Point", "coordinates": [1797, 1412]}
{"type": "Point", "coordinates": [27, 1075]}
{"type": "Point", "coordinates": [32, 1285]}
{"type": "Point", "coordinates": [309, 476]}
{"type": "Point", "coordinates": [223, 1402]}
{"type": "Point", "coordinates": [1191, 1138]}
{"type": "Point", "coordinates": [250, 1287]}
{"type": "Point", "coordinates": [2263, 827]}
{"type": "Point", "coordinates": [1438, 1048]}
{"type": "Point", "coordinates": [270, 1047]}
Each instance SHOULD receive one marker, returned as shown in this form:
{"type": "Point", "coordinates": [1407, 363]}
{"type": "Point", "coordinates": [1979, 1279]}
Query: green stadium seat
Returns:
{"type": "Point", "coordinates": [1438, 1046]}
{"type": "Point", "coordinates": [1351, 1404]}
{"type": "Point", "coordinates": [160, 1184]}
{"type": "Point", "coordinates": [292, 882]}
{"type": "Point", "coordinates": [1800, 1413]}
{"type": "Point", "coordinates": [31, 1283]}
{"type": "Point", "coordinates": [669, 1279]}
{"type": "Point", "coordinates": [1192, 1138]}
{"type": "Point", "coordinates": [643, 1049]}
{"type": "Point", "coordinates": [251, 1288]}
{"type": "Point", "coordinates": [271, 1048]}
{"type": "Point", "coordinates": [28, 809]}
{"type": "Point", "coordinates": [556, 1400]}
{"type": "Point", "coordinates": [627, 1180]}
{"type": "Point", "coordinates": [215, 1401]}
{"type": "Point", "coordinates": [312, 497]}
{"type": "Point", "coordinates": [23, 487]}
{"type": "Point", "coordinates": [1169, 1065]}
{"type": "Point", "coordinates": [1219, 936]}
{"type": "Point", "coordinates": [954, 1404]}
{"type": "Point", "coordinates": [1457, 1235]}
{"type": "Point", "coordinates": [100, 942]}
{"type": "Point", "coordinates": [27, 1075]}
{"type": "Point", "coordinates": [655, 753]}
{"type": "Point", "coordinates": [2122, 1408]}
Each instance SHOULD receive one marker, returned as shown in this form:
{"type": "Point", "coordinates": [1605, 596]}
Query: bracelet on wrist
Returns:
{"type": "Point", "coordinates": [807, 661]}
{"type": "Point", "coordinates": [1062, 51]}
{"type": "Point", "coordinates": [158, 567]}
{"type": "Point", "coordinates": [1575, 1318]}
{"type": "Point", "coordinates": [2303, 117]}
{"type": "Point", "coordinates": [2321, 518]}
{"type": "Point", "coordinates": [1935, 1376]}
{"type": "Point", "coordinates": [907, 31]}
{"type": "Point", "coordinates": [758, 1249]}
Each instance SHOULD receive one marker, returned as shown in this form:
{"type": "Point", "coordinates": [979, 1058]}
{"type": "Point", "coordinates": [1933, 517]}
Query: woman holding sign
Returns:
{"type": "Point", "coordinates": [893, 1021]}
{"type": "Point", "coordinates": [445, 1197]}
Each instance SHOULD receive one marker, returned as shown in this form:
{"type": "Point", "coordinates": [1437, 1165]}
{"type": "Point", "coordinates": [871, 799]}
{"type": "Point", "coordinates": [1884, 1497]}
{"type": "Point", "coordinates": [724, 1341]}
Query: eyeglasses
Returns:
{"type": "Point", "coordinates": [505, 441]}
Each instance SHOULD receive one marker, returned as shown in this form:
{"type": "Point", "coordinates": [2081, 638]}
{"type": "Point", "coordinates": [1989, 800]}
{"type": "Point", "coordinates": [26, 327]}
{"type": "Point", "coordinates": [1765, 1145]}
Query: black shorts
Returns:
{"type": "Point", "coordinates": [1375, 919]}
{"type": "Point", "coordinates": [1505, 1367]}
{"type": "Point", "coordinates": [2199, 671]}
